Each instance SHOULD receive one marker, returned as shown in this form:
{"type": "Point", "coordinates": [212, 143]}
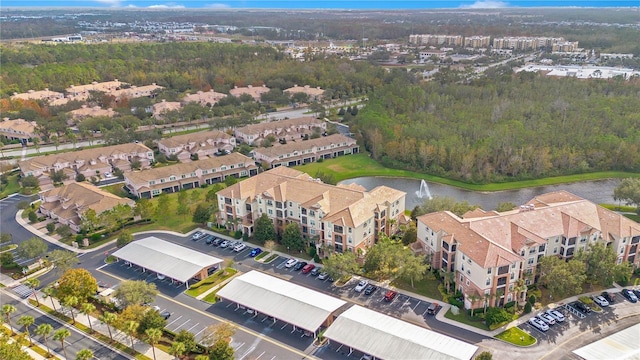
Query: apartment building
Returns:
{"type": "Point", "coordinates": [208, 98]}
{"type": "Point", "coordinates": [18, 129]}
{"type": "Point", "coordinates": [67, 204]}
{"type": "Point", "coordinates": [335, 218]}
{"type": "Point", "coordinates": [429, 39]}
{"type": "Point", "coordinates": [45, 94]}
{"type": "Point", "coordinates": [173, 178]}
{"type": "Point", "coordinates": [254, 91]}
{"type": "Point", "coordinates": [160, 109]}
{"type": "Point", "coordinates": [136, 91]}
{"type": "Point", "coordinates": [306, 151]}
{"type": "Point", "coordinates": [528, 43]}
{"type": "Point", "coordinates": [489, 251]}
{"type": "Point", "coordinates": [477, 42]}
{"type": "Point", "coordinates": [81, 92]}
{"type": "Point", "coordinates": [565, 46]}
{"type": "Point", "coordinates": [89, 162]}
{"type": "Point", "coordinates": [314, 94]}
{"type": "Point", "coordinates": [202, 144]}
{"type": "Point", "coordinates": [288, 129]}
{"type": "Point", "coordinates": [95, 111]}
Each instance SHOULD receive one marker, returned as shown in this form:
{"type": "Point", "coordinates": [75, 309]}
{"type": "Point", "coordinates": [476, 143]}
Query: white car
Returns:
{"type": "Point", "coordinates": [361, 285]}
{"type": "Point", "coordinates": [239, 247]}
{"type": "Point", "coordinates": [224, 244]}
{"type": "Point", "coordinates": [601, 301]}
{"type": "Point", "coordinates": [290, 263]}
{"type": "Point", "coordinates": [556, 315]}
{"type": "Point", "coordinates": [160, 276]}
{"type": "Point", "coordinates": [538, 324]}
{"type": "Point", "coordinates": [550, 320]}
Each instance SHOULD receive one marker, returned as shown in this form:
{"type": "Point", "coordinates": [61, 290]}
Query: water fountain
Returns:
{"type": "Point", "coordinates": [424, 191]}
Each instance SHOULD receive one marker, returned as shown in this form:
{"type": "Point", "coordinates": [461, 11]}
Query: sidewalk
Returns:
{"type": "Point", "coordinates": [102, 328]}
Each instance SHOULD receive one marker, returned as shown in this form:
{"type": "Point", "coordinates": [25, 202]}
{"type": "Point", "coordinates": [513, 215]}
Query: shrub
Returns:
{"type": "Point", "coordinates": [510, 304]}
{"type": "Point", "coordinates": [320, 160]}
{"type": "Point", "coordinates": [456, 302]}
{"type": "Point", "coordinates": [33, 217]}
{"type": "Point", "coordinates": [496, 316]}
{"type": "Point", "coordinates": [527, 308]}
{"type": "Point", "coordinates": [95, 237]}
{"type": "Point", "coordinates": [532, 299]}
{"type": "Point", "coordinates": [51, 227]}
{"type": "Point", "coordinates": [80, 178]}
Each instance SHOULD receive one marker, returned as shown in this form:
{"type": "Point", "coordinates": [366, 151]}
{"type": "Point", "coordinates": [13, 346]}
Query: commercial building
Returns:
{"type": "Point", "coordinates": [491, 253]}
{"type": "Point", "coordinates": [288, 129]}
{"type": "Point", "coordinates": [306, 151]}
{"type": "Point", "coordinates": [173, 178]}
{"type": "Point", "coordinates": [334, 218]}
{"type": "Point", "coordinates": [202, 144]}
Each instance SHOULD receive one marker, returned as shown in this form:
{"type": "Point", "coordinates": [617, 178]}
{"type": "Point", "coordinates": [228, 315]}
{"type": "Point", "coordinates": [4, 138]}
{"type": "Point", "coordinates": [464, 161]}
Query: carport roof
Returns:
{"type": "Point", "coordinates": [294, 304]}
{"type": "Point", "coordinates": [163, 257]}
{"type": "Point", "coordinates": [622, 345]}
{"type": "Point", "coordinates": [386, 337]}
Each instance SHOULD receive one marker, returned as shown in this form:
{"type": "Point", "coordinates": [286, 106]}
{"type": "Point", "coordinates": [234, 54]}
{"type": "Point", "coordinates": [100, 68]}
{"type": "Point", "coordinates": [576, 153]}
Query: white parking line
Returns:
{"type": "Point", "coordinates": [189, 329]}
{"type": "Point", "coordinates": [248, 352]}
{"type": "Point", "coordinates": [414, 308]}
{"type": "Point", "coordinates": [184, 323]}
{"type": "Point", "coordinates": [199, 332]}
{"type": "Point", "coordinates": [259, 356]}
{"type": "Point", "coordinates": [174, 321]}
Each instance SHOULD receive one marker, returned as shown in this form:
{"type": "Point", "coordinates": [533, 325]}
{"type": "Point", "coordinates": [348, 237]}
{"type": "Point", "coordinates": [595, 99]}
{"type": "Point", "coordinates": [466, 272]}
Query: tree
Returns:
{"type": "Point", "coordinates": [32, 248]}
{"type": "Point", "coordinates": [449, 278]}
{"type": "Point", "coordinates": [124, 238]}
{"type": "Point", "coordinates": [384, 258]}
{"type": "Point", "coordinates": [58, 176]}
{"type": "Point", "coordinates": [48, 292]}
{"type": "Point", "coordinates": [77, 282]}
{"type": "Point", "coordinates": [144, 208]}
{"type": "Point", "coordinates": [130, 328]}
{"type": "Point", "coordinates": [87, 308]}
{"type": "Point", "coordinates": [187, 339]}
{"type": "Point", "coordinates": [562, 278]}
{"type": "Point", "coordinates": [63, 260]}
{"type": "Point", "coordinates": [7, 310]}
{"type": "Point", "coordinates": [70, 302]}
{"type": "Point", "coordinates": [264, 230]}
{"type": "Point", "coordinates": [44, 330]}
{"type": "Point", "coordinates": [80, 177]}
{"type": "Point", "coordinates": [109, 319]}
{"type": "Point", "coordinates": [183, 205]}
{"type": "Point", "coordinates": [90, 220]}
{"type": "Point", "coordinates": [600, 263]}
{"type": "Point", "coordinates": [84, 354]}
{"type": "Point", "coordinates": [485, 355]}
{"type": "Point", "coordinates": [628, 191]}
{"type": "Point", "coordinates": [30, 182]}
{"type": "Point", "coordinates": [51, 227]}
{"type": "Point", "coordinates": [202, 214]}
{"type": "Point", "coordinates": [473, 298]}
{"type": "Point", "coordinates": [341, 264]}
{"type": "Point", "coordinates": [410, 234]}
{"type": "Point", "coordinates": [505, 206]}
{"type": "Point", "coordinates": [135, 292]}
{"type": "Point", "coordinates": [64, 231]}
{"type": "Point", "coordinates": [60, 335]}
{"type": "Point", "coordinates": [413, 268]}
{"type": "Point", "coordinates": [5, 238]}
{"type": "Point", "coordinates": [153, 335]}
{"type": "Point", "coordinates": [221, 350]}
{"type": "Point", "coordinates": [177, 349]}
{"type": "Point", "coordinates": [219, 332]}
{"type": "Point", "coordinates": [151, 320]}
{"type": "Point", "coordinates": [33, 283]}
{"type": "Point", "coordinates": [270, 245]}
{"type": "Point", "coordinates": [26, 321]}
{"type": "Point", "coordinates": [230, 180]}
{"type": "Point", "coordinates": [442, 203]}
{"type": "Point", "coordinates": [497, 315]}
{"type": "Point", "coordinates": [162, 207]}
{"type": "Point", "coordinates": [292, 237]}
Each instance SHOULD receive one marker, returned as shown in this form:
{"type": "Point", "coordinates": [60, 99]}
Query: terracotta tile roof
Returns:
{"type": "Point", "coordinates": [281, 124]}
{"type": "Point", "coordinates": [194, 138]}
{"type": "Point", "coordinates": [95, 111]}
{"type": "Point", "coordinates": [165, 106]}
{"type": "Point", "coordinates": [292, 146]}
{"type": "Point", "coordinates": [18, 127]}
{"type": "Point", "coordinates": [45, 94]}
{"type": "Point", "coordinates": [106, 87]}
{"type": "Point", "coordinates": [254, 91]}
{"type": "Point", "coordinates": [317, 91]}
{"type": "Point", "coordinates": [136, 91]}
{"type": "Point", "coordinates": [80, 197]}
{"type": "Point", "coordinates": [204, 98]}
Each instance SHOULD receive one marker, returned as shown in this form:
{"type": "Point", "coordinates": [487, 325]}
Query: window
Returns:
{"type": "Point", "coordinates": [172, 178]}
{"type": "Point", "coordinates": [183, 176]}
{"type": "Point", "coordinates": [467, 282]}
{"type": "Point", "coordinates": [155, 192]}
{"type": "Point", "coordinates": [532, 251]}
{"type": "Point", "coordinates": [338, 229]}
{"type": "Point", "coordinates": [152, 182]}
{"type": "Point", "coordinates": [488, 282]}
{"type": "Point", "coordinates": [530, 261]}
{"type": "Point", "coordinates": [161, 180]}
{"type": "Point", "coordinates": [541, 248]}
{"type": "Point", "coordinates": [269, 202]}
{"type": "Point", "coordinates": [270, 212]}
{"type": "Point", "coordinates": [489, 271]}
{"type": "Point", "coordinates": [312, 213]}
{"type": "Point", "coordinates": [205, 172]}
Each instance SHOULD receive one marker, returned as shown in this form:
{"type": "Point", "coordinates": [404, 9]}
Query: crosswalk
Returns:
{"type": "Point", "coordinates": [23, 290]}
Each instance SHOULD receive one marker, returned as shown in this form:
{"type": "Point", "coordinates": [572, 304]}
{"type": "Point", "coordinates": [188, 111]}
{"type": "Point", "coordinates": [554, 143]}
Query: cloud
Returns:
{"type": "Point", "coordinates": [486, 4]}
{"type": "Point", "coordinates": [166, 6]}
{"type": "Point", "coordinates": [115, 3]}
{"type": "Point", "coordinates": [218, 6]}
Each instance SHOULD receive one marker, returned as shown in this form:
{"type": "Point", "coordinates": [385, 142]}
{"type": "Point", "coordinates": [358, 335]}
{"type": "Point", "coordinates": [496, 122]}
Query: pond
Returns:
{"type": "Point", "coordinates": [597, 191]}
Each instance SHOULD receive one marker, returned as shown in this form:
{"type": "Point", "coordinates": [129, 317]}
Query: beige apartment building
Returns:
{"type": "Point", "coordinates": [81, 92]}
{"type": "Point", "coordinates": [478, 41]}
{"type": "Point", "coordinates": [334, 218]}
{"type": "Point", "coordinates": [208, 98]}
{"type": "Point", "coordinates": [18, 129]}
{"type": "Point", "coordinates": [89, 162]}
{"type": "Point", "coordinates": [45, 94]}
{"type": "Point", "coordinates": [314, 94]}
{"type": "Point", "coordinates": [95, 111]}
{"type": "Point", "coordinates": [306, 151]}
{"type": "Point", "coordinates": [429, 39]}
{"type": "Point", "coordinates": [136, 91]}
{"type": "Point", "coordinates": [207, 143]}
{"type": "Point", "coordinates": [173, 178]}
{"type": "Point", "coordinates": [161, 108]}
{"type": "Point", "coordinates": [254, 91]}
{"type": "Point", "coordinates": [288, 129]}
{"type": "Point", "coordinates": [489, 251]}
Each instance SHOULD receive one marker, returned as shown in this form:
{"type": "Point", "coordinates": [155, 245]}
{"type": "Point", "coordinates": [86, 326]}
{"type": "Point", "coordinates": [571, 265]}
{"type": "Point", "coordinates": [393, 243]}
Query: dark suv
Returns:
{"type": "Point", "coordinates": [609, 297]}
{"type": "Point", "coordinates": [582, 307]}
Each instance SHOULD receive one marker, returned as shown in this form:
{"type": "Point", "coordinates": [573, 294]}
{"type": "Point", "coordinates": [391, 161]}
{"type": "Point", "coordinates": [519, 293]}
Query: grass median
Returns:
{"type": "Point", "coordinates": [516, 336]}
{"type": "Point", "coordinates": [213, 280]}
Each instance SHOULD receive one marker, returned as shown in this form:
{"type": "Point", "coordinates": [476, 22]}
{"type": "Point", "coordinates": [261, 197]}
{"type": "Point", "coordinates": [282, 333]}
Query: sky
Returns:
{"type": "Point", "coordinates": [315, 4]}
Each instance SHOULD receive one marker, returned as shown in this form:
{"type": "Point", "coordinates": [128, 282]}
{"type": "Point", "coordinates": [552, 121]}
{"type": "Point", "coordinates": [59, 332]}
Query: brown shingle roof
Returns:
{"type": "Point", "coordinates": [300, 145]}
{"type": "Point", "coordinates": [82, 196]}
{"type": "Point", "coordinates": [281, 124]}
{"type": "Point", "coordinates": [197, 137]}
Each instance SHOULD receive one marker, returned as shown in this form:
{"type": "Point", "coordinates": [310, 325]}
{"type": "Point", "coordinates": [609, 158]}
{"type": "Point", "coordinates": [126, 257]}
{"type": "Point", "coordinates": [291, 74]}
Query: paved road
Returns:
{"type": "Point", "coordinates": [8, 212]}
{"type": "Point", "coordinates": [74, 343]}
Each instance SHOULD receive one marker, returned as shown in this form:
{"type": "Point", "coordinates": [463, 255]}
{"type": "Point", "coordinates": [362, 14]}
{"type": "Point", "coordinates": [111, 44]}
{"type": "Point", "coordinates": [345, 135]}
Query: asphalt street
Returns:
{"type": "Point", "coordinates": [74, 343]}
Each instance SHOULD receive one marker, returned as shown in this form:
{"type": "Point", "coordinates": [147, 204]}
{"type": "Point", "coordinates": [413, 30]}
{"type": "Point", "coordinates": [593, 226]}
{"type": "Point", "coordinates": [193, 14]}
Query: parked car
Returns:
{"type": "Point", "coordinates": [433, 308]}
{"type": "Point", "coordinates": [160, 276]}
{"type": "Point", "coordinates": [255, 252]}
{"type": "Point", "coordinates": [361, 285]}
{"type": "Point", "coordinates": [307, 268]}
{"type": "Point", "coordinates": [291, 262]}
{"type": "Point", "coordinates": [217, 241]}
{"type": "Point", "coordinates": [209, 239]}
{"type": "Point", "coordinates": [609, 297]}
{"type": "Point", "coordinates": [299, 265]}
{"type": "Point", "coordinates": [370, 289]}
{"type": "Point", "coordinates": [636, 292]}
{"type": "Point", "coordinates": [323, 275]}
{"type": "Point", "coordinates": [239, 247]}
{"type": "Point", "coordinates": [316, 271]}
{"type": "Point", "coordinates": [196, 235]}
{"type": "Point", "coordinates": [538, 324]}
{"type": "Point", "coordinates": [556, 315]}
{"type": "Point", "coordinates": [629, 295]}
{"type": "Point", "coordinates": [601, 301]}
{"type": "Point", "coordinates": [582, 307]}
{"type": "Point", "coordinates": [224, 244]}
{"type": "Point", "coordinates": [550, 320]}
{"type": "Point", "coordinates": [233, 244]}
{"type": "Point", "coordinates": [390, 295]}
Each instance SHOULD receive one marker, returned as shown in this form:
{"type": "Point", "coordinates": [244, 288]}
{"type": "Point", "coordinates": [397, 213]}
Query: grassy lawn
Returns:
{"type": "Point", "coordinates": [211, 281]}
{"type": "Point", "coordinates": [11, 187]}
{"type": "Point", "coordinates": [270, 258]}
{"type": "Point", "coordinates": [262, 254]}
{"type": "Point", "coordinates": [351, 166]}
{"type": "Point", "coordinates": [116, 189]}
{"type": "Point", "coordinates": [462, 318]}
{"type": "Point", "coordinates": [427, 287]}
{"type": "Point", "coordinates": [516, 336]}
{"type": "Point", "coordinates": [211, 297]}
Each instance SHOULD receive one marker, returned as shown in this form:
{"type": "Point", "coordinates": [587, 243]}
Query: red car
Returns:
{"type": "Point", "coordinates": [390, 295]}
{"type": "Point", "coordinates": [307, 268]}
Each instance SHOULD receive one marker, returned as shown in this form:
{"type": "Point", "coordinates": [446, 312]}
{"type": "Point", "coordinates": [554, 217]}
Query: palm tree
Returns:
{"type": "Point", "coordinates": [520, 290]}
{"type": "Point", "coordinates": [61, 335]}
{"type": "Point", "coordinates": [70, 302]}
{"type": "Point", "coordinates": [7, 310]}
{"type": "Point", "coordinates": [449, 277]}
{"type": "Point", "coordinates": [473, 298]}
{"type": "Point", "coordinates": [48, 292]}
{"type": "Point", "coordinates": [487, 299]}
{"type": "Point", "coordinates": [177, 349]}
{"type": "Point", "coordinates": [153, 336]}
{"type": "Point", "coordinates": [26, 321]}
{"type": "Point", "coordinates": [44, 330]}
{"type": "Point", "coordinates": [130, 328]}
{"type": "Point", "coordinates": [499, 294]}
{"type": "Point", "coordinates": [33, 284]}
{"type": "Point", "coordinates": [87, 309]}
{"type": "Point", "coordinates": [109, 319]}
{"type": "Point", "coordinates": [84, 354]}
{"type": "Point", "coordinates": [36, 143]}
